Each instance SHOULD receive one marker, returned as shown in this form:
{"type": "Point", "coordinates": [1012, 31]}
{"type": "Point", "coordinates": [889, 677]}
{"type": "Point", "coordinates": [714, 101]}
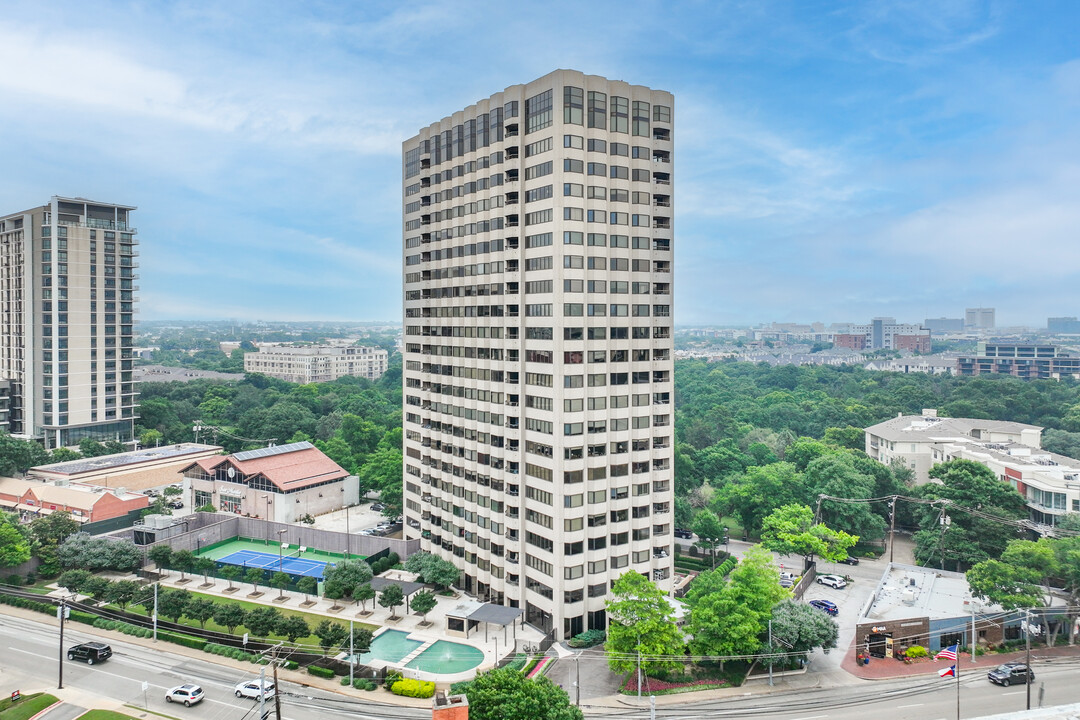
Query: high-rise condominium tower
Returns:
{"type": "Point", "coordinates": [67, 303]}
{"type": "Point", "coordinates": [538, 343]}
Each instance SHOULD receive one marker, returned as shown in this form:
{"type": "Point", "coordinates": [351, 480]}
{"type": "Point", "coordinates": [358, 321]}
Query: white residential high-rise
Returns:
{"type": "Point", "coordinates": [67, 303]}
{"type": "Point", "coordinates": [538, 343]}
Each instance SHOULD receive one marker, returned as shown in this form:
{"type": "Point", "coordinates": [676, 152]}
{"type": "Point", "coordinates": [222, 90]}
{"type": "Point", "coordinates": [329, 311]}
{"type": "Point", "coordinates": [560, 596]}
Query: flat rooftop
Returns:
{"type": "Point", "coordinates": [119, 460]}
{"type": "Point", "coordinates": [908, 591]}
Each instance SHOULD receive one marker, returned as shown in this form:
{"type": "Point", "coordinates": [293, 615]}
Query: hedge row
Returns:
{"type": "Point", "coordinates": [587, 639]}
{"type": "Point", "coordinates": [518, 662]}
{"type": "Point", "coordinates": [407, 687]}
{"type": "Point", "coordinates": [361, 683]}
{"type": "Point", "coordinates": [320, 671]}
{"type": "Point", "coordinates": [28, 604]}
{"type": "Point", "coordinates": [126, 628]}
{"type": "Point", "coordinates": [231, 652]}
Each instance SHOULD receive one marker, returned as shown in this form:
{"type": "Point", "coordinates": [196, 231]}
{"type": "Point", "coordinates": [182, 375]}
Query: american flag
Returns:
{"type": "Point", "coordinates": [948, 653]}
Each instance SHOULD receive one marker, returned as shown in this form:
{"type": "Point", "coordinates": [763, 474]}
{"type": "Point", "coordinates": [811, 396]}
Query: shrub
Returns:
{"type": "Point", "coordinates": [320, 671]}
{"type": "Point", "coordinates": [588, 639]}
{"type": "Point", "coordinates": [391, 679]}
{"type": "Point", "coordinates": [917, 651]}
{"type": "Point", "coordinates": [292, 665]}
{"type": "Point", "coordinates": [31, 578]}
{"type": "Point", "coordinates": [14, 579]}
{"type": "Point", "coordinates": [407, 687]}
{"type": "Point", "coordinates": [345, 681]}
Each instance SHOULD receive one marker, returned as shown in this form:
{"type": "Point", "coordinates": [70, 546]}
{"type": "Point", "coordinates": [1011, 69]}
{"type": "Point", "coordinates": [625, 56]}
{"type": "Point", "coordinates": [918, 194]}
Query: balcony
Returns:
{"type": "Point", "coordinates": [661, 134]}
{"type": "Point", "coordinates": [512, 152]}
{"type": "Point", "coordinates": [661, 156]}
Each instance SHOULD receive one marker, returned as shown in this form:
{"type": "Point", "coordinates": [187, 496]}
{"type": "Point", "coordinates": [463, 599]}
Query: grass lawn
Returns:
{"type": "Point", "coordinates": [311, 619]}
{"type": "Point", "coordinates": [27, 707]}
{"type": "Point", "coordinates": [104, 715]}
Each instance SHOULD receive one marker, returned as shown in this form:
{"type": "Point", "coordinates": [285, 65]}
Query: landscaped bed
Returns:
{"type": "Point", "coordinates": [26, 707]}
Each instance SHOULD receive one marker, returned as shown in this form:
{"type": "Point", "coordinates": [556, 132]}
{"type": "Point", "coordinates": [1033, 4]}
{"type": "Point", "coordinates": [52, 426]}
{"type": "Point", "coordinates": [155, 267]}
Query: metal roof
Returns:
{"type": "Point", "coordinates": [272, 450]}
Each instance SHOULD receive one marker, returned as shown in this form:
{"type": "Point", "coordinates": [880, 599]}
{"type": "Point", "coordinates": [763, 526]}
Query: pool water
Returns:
{"type": "Point", "coordinates": [447, 658]}
{"type": "Point", "coordinates": [390, 646]}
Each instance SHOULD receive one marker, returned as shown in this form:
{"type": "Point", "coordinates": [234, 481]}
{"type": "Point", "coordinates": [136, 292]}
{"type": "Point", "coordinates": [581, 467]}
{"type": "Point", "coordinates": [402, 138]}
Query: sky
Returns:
{"type": "Point", "coordinates": [834, 161]}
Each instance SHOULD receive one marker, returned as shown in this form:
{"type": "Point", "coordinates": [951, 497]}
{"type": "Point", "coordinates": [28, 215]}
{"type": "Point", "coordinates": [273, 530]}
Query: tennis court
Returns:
{"type": "Point", "coordinates": [293, 565]}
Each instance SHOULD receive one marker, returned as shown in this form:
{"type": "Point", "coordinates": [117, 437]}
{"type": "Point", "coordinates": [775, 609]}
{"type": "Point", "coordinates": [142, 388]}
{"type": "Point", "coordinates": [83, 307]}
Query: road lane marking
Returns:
{"type": "Point", "coordinates": [1015, 692]}
{"type": "Point", "coordinates": [811, 717]}
{"type": "Point", "coordinates": [901, 707]}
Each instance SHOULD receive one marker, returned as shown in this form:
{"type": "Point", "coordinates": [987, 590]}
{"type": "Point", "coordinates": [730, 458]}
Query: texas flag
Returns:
{"type": "Point", "coordinates": [948, 672]}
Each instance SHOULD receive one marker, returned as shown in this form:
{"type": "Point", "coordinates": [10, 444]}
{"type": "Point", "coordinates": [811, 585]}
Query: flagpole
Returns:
{"type": "Point", "coordinates": [957, 661]}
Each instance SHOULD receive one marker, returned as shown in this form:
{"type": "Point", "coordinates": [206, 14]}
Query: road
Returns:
{"type": "Point", "coordinates": [28, 659]}
{"type": "Point", "coordinates": [910, 699]}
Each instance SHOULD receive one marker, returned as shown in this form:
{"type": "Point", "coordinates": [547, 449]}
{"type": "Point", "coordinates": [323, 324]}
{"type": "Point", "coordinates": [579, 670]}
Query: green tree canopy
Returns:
{"type": "Point", "coordinates": [391, 598]}
{"type": "Point", "coordinates": [642, 624]}
{"type": "Point", "coordinates": [330, 634]}
{"type": "Point", "coordinates": [506, 693]}
{"type": "Point", "coordinates": [790, 530]}
{"type": "Point", "coordinates": [229, 615]}
{"type": "Point", "coordinates": [798, 629]}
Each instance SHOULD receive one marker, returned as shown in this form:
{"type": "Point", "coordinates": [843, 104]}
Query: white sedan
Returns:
{"type": "Point", "coordinates": [833, 581]}
{"type": "Point", "coordinates": [250, 689]}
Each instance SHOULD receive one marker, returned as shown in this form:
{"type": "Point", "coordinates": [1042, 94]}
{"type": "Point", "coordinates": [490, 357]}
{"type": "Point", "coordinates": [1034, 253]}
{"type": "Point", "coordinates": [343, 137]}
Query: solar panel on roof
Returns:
{"type": "Point", "coordinates": [275, 450]}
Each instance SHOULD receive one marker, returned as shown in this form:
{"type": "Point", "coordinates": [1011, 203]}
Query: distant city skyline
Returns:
{"type": "Point", "coordinates": [839, 161]}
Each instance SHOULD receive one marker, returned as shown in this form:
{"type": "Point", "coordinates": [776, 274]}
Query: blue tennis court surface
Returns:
{"type": "Point", "coordinates": [267, 561]}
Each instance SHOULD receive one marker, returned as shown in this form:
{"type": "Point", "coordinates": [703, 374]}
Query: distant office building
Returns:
{"type": "Point", "coordinates": [979, 318]}
{"type": "Point", "coordinates": [67, 275]}
{"type": "Point", "coordinates": [944, 324]}
{"type": "Point", "coordinates": [884, 333]}
{"type": "Point", "coordinates": [317, 363]}
{"type": "Point", "coordinates": [1063, 326]}
{"type": "Point", "coordinates": [1047, 362]}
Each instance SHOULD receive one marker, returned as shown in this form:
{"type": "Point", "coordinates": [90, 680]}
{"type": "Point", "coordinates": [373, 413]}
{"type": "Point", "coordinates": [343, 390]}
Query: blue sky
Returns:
{"type": "Point", "coordinates": [834, 160]}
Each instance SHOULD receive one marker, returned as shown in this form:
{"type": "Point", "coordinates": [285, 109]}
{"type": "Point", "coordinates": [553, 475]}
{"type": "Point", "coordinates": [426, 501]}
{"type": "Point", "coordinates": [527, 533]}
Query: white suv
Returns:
{"type": "Point", "coordinates": [833, 581]}
{"type": "Point", "coordinates": [188, 694]}
{"type": "Point", "coordinates": [250, 689]}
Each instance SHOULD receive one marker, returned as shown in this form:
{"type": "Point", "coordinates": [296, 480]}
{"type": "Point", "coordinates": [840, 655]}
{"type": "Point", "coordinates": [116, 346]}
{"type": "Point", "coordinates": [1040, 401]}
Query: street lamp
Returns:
{"type": "Point", "coordinates": [267, 499]}
{"type": "Point", "coordinates": [280, 547]}
{"type": "Point", "coordinates": [347, 533]}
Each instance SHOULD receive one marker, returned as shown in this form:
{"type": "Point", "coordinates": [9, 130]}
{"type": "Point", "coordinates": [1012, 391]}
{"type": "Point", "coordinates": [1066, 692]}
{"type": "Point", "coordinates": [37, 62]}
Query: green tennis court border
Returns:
{"type": "Point", "coordinates": [224, 548]}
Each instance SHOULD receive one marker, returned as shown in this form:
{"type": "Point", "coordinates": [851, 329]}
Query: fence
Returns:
{"type": "Point", "coordinates": [113, 524]}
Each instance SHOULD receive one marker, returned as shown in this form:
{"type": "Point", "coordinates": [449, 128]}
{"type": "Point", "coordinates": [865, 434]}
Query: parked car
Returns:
{"type": "Point", "coordinates": [826, 606]}
{"type": "Point", "coordinates": [378, 507]}
{"type": "Point", "coordinates": [849, 560]}
{"type": "Point", "coordinates": [151, 493]}
{"type": "Point", "coordinates": [250, 689]}
{"type": "Point", "coordinates": [684, 534]}
{"type": "Point", "coordinates": [833, 581]}
{"type": "Point", "coordinates": [176, 504]}
{"type": "Point", "coordinates": [1009, 673]}
{"type": "Point", "coordinates": [90, 653]}
{"type": "Point", "coordinates": [188, 694]}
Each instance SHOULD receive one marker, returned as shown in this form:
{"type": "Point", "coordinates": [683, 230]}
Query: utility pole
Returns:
{"type": "Point", "coordinates": [892, 528]}
{"type": "Point", "coordinates": [639, 665]}
{"type": "Point", "coordinates": [61, 614]}
{"type": "Point", "coordinates": [352, 657]}
{"type": "Point", "coordinates": [277, 693]}
{"type": "Point", "coordinates": [770, 647]}
{"type": "Point", "coordinates": [973, 640]}
{"type": "Point", "coordinates": [155, 611]}
{"type": "Point", "coordinates": [577, 681]}
{"type": "Point", "coordinates": [262, 693]}
{"type": "Point", "coordinates": [1027, 659]}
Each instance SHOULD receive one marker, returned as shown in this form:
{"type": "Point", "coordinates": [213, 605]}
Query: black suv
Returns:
{"type": "Point", "coordinates": [1009, 673]}
{"type": "Point", "coordinates": [684, 534]}
{"type": "Point", "coordinates": [91, 652]}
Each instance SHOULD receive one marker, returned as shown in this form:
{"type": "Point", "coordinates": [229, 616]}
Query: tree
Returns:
{"type": "Point", "coordinates": [361, 641]}
{"type": "Point", "coordinates": [184, 561]}
{"type": "Point", "coordinates": [730, 621]}
{"type": "Point", "coordinates": [507, 693]}
{"type": "Point", "coordinates": [63, 454]}
{"type": "Point", "coordinates": [348, 574]}
{"type": "Point", "coordinates": [172, 491]}
{"type": "Point", "coordinates": [254, 576]}
{"type": "Point", "coordinates": [790, 530]}
{"type": "Point", "coordinates": [207, 508]}
{"type": "Point", "coordinates": [161, 556]}
{"type": "Point", "coordinates": [262, 621]}
{"type": "Point", "coordinates": [391, 598]}
{"type": "Point", "coordinates": [229, 615]}
{"type": "Point", "coordinates": [123, 592]}
{"type": "Point", "coordinates": [74, 580]}
{"type": "Point", "coordinates": [92, 448]}
{"type": "Point", "coordinates": [432, 569]}
{"type": "Point", "coordinates": [98, 553]}
{"type": "Point", "coordinates": [850, 437]}
{"type": "Point", "coordinates": [200, 610]}
{"type": "Point", "coordinates": [333, 591]}
{"type": "Point", "coordinates": [710, 531]}
{"type": "Point", "coordinates": [759, 491]}
{"type": "Point", "coordinates": [797, 629]}
{"type": "Point", "coordinates": [46, 534]}
{"type": "Point", "coordinates": [362, 594]}
{"type": "Point", "coordinates": [307, 585]}
{"type": "Point", "coordinates": [642, 626]}
{"type": "Point", "coordinates": [1005, 584]}
{"type": "Point", "coordinates": [97, 588]}
{"type": "Point", "coordinates": [14, 542]}
{"type": "Point", "coordinates": [150, 438]}
{"type": "Point", "coordinates": [204, 566]}
{"type": "Point", "coordinates": [281, 581]}
{"type": "Point", "coordinates": [172, 603]}
{"type": "Point", "coordinates": [423, 603]}
{"type": "Point", "coordinates": [330, 634]}
{"type": "Point", "coordinates": [230, 573]}
{"type": "Point", "coordinates": [836, 475]}
{"type": "Point", "coordinates": [293, 627]}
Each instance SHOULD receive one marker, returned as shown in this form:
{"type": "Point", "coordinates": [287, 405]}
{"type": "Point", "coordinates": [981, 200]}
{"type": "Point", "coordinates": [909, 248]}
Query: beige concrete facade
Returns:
{"type": "Point", "coordinates": [318, 363]}
{"type": "Point", "coordinates": [67, 306]}
{"type": "Point", "coordinates": [538, 343]}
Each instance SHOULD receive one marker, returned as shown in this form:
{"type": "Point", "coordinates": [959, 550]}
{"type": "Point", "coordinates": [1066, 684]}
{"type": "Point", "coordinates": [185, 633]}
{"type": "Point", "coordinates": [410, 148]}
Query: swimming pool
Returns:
{"type": "Point", "coordinates": [390, 646]}
{"type": "Point", "coordinates": [447, 658]}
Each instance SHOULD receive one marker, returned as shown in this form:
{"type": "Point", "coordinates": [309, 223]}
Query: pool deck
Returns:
{"type": "Point", "coordinates": [496, 643]}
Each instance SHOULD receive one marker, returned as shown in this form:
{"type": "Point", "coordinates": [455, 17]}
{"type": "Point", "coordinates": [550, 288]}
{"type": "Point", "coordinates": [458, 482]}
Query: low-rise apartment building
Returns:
{"type": "Point", "coordinates": [1050, 483]}
{"type": "Point", "coordinates": [317, 363]}
{"type": "Point", "coordinates": [1023, 360]}
{"type": "Point", "coordinates": [86, 503]}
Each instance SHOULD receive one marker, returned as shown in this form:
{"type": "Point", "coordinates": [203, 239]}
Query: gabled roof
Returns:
{"type": "Point", "coordinates": [289, 467]}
